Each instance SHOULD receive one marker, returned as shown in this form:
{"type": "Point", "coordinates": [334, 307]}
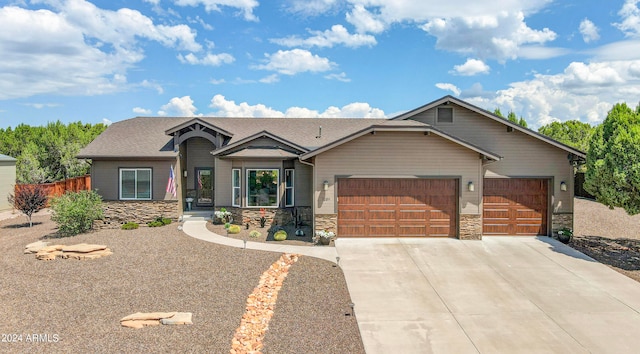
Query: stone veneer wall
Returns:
{"type": "Point", "coordinates": [328, 222]}
{"type": "Point", "coordinates": [470, 227]}
{"type": "Point", "coordinates": [280, 217]}
{"type": "Point", "coordinates": [117, 213]}
{"type": "Point", "coordinates": [559, 221]}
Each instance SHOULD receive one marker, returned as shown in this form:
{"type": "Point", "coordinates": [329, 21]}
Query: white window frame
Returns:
{"type": "Point", "coordinates": [235, 188]}
{"type": "Point", "coordinates": [136, 169]}
{"type": "Point", "coordinates": [248, 172]}
{"type": "Point", "coordinates": [291, 188]}
{"type": "Point", "coordinates": [437, 115]}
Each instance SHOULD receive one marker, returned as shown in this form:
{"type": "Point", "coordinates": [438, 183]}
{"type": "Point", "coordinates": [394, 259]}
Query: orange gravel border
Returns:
{"type": "Point", "coordinates": [260, 305]}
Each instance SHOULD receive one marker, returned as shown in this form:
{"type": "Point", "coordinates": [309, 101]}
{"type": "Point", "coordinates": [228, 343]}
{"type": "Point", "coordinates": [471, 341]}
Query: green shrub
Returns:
{"type": "Point", "coordinates": [165, 221]}
{"type": "Point", "coordinates": [234, 229]}
{"type": "Point", "coordinates": [155, 223]}
{"type": "Point", "coordinates": [129, 226]}
{"type": "Point", "coordinates": [280, 235]}
{"type": "Point", "coordinates": [255, 234]}
{"type": "Point", "coordinates": [75, 212]}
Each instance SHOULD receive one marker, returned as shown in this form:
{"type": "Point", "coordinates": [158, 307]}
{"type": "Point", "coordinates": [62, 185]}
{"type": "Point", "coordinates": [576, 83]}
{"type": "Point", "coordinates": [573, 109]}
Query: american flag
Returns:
{"type": "Point", "coordinates": [171, 184]}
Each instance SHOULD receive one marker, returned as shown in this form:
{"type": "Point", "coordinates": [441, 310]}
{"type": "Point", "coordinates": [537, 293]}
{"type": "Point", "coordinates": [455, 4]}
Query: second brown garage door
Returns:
{"type": "Point", "coordinates": [515, 206]}
{"type": "Point", "coordinates": [391, 207]}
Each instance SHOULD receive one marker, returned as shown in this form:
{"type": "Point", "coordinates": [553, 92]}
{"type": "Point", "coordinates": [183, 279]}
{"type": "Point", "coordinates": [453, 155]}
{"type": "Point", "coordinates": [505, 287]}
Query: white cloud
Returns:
{"type": "Point", "coordinates": [76, 48]}
{"type": "Point", "coordinates": [245, 6]}
{"type": "Point", "coordinates": [630, 14]}
{"type": "Point", "coordinates": [141, 111]}
{"type": "Point", "coordinates": [364, 21]}
{"type": "Point", "coordinates": [488, 37]}
{"type": "Point", "coordinates": [337, 35]}
{"type": "Point", "coordinates": [41, 105]}
{"type": "Point", "coordinates": [106, 121]}
{"type": "Point", "coordinates": [208, 59]}
{"type": "Point", "coordinates": [152, 85]}
{"type": "Point", "coordinates": [179, 107]}
{"type": "Point", "coordinates": [228, 108]}
{"type": "Point", "coordinates": [471, 67]}
{"type": "Point", "coordinates": [310, 7]}
{"type": "Point", "coordinates": [273, 78]}
{"type": "Point", "coordinates": [225, 108]}
{"type": "Point", "coordinates": [589, 31]}
{"type": "Point", "coordinates": [291, 62]}
{"type": "Point", "coordinates": [449, 87]}
{"type": "Point", "coordinates": [217, 81]}
{"type": "Point", "coordinates": [340, 77]}
{"type": "Point", "coordinates": [538, 52]}
{"type": "Point", "coordinates": [582, 91]}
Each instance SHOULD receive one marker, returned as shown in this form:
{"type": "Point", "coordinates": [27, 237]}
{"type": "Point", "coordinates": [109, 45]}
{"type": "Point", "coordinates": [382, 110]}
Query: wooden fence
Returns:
{"type": "Point", "coordinates": [56, 189]}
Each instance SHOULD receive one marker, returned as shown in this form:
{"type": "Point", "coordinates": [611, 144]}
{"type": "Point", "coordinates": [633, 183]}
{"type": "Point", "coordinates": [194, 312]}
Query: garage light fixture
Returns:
{"type": "Point", "coordinates": [471, 187]}
{"type": "Point", "coordinates": [563, 186]}
{"type": "Point", "coordinates": [325, 186]}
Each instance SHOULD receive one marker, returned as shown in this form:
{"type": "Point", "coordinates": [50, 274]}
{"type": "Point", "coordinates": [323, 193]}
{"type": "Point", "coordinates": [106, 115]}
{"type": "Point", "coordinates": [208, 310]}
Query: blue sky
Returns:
{"type": "Point", "coordinates": [98, 61]}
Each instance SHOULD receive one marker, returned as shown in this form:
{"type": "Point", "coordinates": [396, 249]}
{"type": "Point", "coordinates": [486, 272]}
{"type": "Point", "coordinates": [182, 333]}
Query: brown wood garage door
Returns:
{"type": "Point", "coordinates": [515, 206]}
{"type": "Point", "coordinates": [391, 207]}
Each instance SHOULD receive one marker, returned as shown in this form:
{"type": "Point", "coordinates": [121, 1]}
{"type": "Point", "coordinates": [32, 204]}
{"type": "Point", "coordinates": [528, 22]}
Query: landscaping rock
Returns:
{"type": "Point", "coordinates": [148, 316]}
{"type": "Point", "coordinates": [83, 248]}
{"type": "Point", "coordinates": [180, 318]}
{"type": "Point", "coordinates": [139, 323]}
{"type": "Point", "coordinates": [35, 247]}
{"type": "Point", "coordinates": [80, 251]}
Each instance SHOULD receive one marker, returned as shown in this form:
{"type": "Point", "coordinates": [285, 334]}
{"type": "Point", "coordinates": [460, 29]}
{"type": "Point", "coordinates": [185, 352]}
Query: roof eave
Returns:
{"type": "Point", "coordinates": [261, 134]}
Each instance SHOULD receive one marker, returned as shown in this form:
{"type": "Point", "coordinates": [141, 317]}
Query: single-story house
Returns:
{"type": "Point", "coordinates": [447, 168]}
{"type": "Point", "coordinates": [7, 180]}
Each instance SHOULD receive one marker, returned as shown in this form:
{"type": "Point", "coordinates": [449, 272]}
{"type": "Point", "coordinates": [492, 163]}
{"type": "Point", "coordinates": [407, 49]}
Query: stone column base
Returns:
{"type": "Point", "coordinates": [561, 220]}
{"type": "Point", "coordinates": [470, 227]}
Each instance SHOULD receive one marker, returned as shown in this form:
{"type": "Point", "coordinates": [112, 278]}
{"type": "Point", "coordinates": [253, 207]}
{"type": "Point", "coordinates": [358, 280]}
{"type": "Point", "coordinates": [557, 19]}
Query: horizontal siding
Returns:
{"type": "Point", "coordinates": [398, 154]}
{"type": "Point", "coordinates": [7, 183]}
{"type": "Point", "coordinates": [105, 177]}
{"type": "Point", "coordinates": [523, 155]}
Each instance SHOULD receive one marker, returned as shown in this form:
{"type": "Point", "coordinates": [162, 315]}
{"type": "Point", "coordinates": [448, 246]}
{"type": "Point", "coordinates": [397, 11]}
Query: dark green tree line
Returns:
{"type": "Point", "coordinates": [47, 153]}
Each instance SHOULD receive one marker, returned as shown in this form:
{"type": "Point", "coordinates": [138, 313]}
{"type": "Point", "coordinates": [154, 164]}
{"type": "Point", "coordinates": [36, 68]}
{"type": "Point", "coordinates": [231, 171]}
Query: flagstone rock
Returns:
{"type": "Point", "coordinates": [34, 247]}
{"type": "Point", "coordinates": [148, 316]}
{"type": "Point", "coordinates": [180, 318]}
{"type": "Point", "coordinates": [137, 324]}
{"type": "Point", "coordinates": [80, 251]}
{"type": "Point", "coordinates": [83, 248]}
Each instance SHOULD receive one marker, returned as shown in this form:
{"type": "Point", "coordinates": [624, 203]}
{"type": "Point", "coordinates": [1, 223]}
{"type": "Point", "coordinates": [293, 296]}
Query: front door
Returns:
{"type": "Point", "coordinates": [204, 186]}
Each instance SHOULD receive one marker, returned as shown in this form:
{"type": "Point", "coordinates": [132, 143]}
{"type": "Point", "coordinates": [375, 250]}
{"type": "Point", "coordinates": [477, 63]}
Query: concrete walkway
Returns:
{"type": "Point", "coordinates": [196, 228]}
{"type": "Point", "coordinates": [498, 295]}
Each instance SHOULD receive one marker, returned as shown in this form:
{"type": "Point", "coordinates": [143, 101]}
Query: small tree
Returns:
{"type": "Point", "coordinates": [613, 160]}
{"type": "Point", "coordinates": [29, 199]}
{"type": "Point", "coordinates": [75, 212]}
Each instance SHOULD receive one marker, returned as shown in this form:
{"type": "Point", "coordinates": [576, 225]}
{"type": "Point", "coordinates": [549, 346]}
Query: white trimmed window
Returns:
{"type": "Point", "coordinates": [289, 181]}
{"type": "Point", "coordinates": [235, 189]}
{"type": "Point", "coordinates": [135, 183]}
{"type": "Point", "coordinates": [263, 188]}
{"type": "Point", "coordinates": [444, 115]}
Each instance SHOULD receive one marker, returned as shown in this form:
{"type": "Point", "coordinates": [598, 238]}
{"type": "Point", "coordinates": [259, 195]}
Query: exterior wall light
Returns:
{"type": "Point", "coordinates": [325, 186]}
{"type": "Point", "coordinates": [563, 186]}
{"type": "Point", "coordinates": [471, 187]}
{"type": "Point", "coordinates": [184, 173]}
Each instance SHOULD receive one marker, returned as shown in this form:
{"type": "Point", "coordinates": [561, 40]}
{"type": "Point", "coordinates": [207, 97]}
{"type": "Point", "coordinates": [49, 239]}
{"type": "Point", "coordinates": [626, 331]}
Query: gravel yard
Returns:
{"type": "Point", "coordinates": [78, 304]}
{"type": "Point", "coordinates": [609, 236]}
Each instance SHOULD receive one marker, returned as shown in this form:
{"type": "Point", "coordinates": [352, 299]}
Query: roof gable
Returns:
{"type": "Point", "coordinates": [484, 113]}
{"type": "Point", "coordinates": [418, 127]}
{"type": "Point", "coordinates": [237, 145]}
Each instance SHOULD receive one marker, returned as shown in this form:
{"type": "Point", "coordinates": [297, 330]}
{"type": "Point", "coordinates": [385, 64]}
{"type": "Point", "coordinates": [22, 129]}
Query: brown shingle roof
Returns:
{"type": "Point", "coordinates": [145, 137]}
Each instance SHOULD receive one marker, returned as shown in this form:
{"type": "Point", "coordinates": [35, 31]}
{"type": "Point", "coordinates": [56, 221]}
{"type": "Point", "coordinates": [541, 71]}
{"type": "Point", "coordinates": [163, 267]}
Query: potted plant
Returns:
{"type": "Point", "coordinates": [565, 234]}
{"type": "Point", "coordinates": [223, 216]}
{"type": "Point", "coordinates": [324, 237]}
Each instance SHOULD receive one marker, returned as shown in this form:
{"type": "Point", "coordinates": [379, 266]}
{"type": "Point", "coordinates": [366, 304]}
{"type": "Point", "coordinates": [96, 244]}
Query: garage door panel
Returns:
{"type": "Point", "coordinates": [515, 206]}
{"type": "Point", "coordinates": [399, 207]}
{"type": "Point", "coordinates": [351, 230]}
{"type": "Point", "coordinates": [351, 214]}
{"type": "Point", "coordinates": [382, 230]}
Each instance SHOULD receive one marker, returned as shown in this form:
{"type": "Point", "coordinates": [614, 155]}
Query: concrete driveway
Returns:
{"type": "Point", "coordinates": [498, 295]}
